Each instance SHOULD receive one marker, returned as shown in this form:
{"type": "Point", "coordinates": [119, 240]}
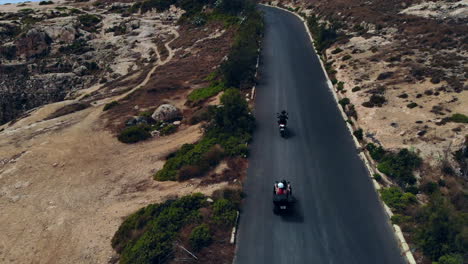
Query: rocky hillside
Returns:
{"type": "Point", "coordinates": [48, 52]}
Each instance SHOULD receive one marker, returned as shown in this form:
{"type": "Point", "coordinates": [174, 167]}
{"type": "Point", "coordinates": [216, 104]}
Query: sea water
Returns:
{"type": "Point", "coordinates": [14, 1]}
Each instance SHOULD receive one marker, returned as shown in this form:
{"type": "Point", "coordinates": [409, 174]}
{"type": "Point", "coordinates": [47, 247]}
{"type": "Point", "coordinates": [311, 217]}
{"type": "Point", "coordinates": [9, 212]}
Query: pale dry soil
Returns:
{"type": "Point", "coordinates": [395, 125]}
{"type": "Point", "coordinates": [66, 185]}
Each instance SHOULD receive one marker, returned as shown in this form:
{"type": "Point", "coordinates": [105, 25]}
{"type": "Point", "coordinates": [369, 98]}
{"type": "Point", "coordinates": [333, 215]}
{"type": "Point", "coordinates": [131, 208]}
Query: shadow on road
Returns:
{"type": "Point", "coordinates": [294, 215]}
{"type": "Point", "coordinates": [290, 133]}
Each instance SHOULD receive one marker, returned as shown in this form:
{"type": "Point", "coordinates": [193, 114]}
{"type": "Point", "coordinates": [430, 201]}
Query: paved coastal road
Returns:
{"type": "Point", "coordinates": [338, 218]}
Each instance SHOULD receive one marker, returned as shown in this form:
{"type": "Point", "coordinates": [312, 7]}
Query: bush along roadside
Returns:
{"type": "Point", "coordinates": [436, 225]}
{"type": "Point", "coordinates": [437, 228]}
{"type": "Point", "coordinates": [230, 126]}
{"type": "Point", "coordinates": [158, 232]}
{"type": "Point", "coordinates": [227, 134]}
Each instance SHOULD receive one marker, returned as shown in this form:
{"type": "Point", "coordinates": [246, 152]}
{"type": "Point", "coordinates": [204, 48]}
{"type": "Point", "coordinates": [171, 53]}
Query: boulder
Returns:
{"type": "Point", "coordinates": [61, 33]}
{"type": "Point", "coordinates": [166, 112]}
{"type": "Point", "coordinates": [80, 71]}
{"type": "Point", "coordinates": [33, 43]}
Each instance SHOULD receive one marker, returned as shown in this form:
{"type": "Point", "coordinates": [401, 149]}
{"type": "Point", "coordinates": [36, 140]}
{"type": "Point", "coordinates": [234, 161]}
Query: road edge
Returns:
{"type": "Point", "coordinates": [405, 250]}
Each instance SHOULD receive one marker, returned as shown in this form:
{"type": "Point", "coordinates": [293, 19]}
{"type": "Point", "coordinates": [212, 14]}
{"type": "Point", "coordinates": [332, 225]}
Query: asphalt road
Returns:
{"type": "Point", "coordinates": [337, 218]}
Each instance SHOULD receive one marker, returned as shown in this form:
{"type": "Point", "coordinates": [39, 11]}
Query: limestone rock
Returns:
{"type": "Point", "coordinates": [166, 112]}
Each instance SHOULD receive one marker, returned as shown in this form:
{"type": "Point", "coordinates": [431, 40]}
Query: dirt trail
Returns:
{"type": "Point", "coordinates": [157, 64]}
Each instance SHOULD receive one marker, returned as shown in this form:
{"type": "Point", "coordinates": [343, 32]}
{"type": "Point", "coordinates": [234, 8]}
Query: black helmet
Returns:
{"type": "Point", "coordinates": [283, 112]}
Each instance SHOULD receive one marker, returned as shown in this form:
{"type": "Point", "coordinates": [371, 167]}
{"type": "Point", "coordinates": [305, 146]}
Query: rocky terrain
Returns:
{"type": "Point", "coordinates": [50, 52]}
{"type": "Point", "coordinates": [66, 182]}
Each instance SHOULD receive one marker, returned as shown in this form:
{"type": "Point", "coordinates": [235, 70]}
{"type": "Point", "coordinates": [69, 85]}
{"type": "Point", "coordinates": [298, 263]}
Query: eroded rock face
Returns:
{"type": "Point", "coordinates": [166, 112]}
{"type": "Point", "coordinates": [47, 54]}
{"type": "Point", "coordinates": [8, 30]}
{"type": "Point", "coordinates": [64, 34]}
{"type": "Point", "coordinates": [19, 94]}
{"type": "Point", "coordinates": [33, 44]}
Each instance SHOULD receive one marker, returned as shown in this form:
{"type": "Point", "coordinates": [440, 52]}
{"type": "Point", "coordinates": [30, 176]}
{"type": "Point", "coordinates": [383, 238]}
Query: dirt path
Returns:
{"type": "Point", "coordinates": [157, 64]}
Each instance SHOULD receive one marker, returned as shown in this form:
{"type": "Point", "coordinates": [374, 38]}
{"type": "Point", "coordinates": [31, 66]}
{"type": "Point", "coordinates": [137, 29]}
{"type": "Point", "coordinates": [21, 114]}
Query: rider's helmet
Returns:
{"type": "Point", "coordinates": [283, 112]}
{"type": "Point", "coordinates": [280, 185]}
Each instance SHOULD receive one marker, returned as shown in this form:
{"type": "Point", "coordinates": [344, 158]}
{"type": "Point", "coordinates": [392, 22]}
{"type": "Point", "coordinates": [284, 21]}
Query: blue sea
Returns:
{"type": "Point", "coordinates": [14, 1]}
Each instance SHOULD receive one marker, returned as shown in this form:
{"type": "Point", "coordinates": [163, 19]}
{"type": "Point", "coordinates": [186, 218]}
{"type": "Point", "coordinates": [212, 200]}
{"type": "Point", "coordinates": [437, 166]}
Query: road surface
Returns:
{"type": "Point", "coordinates": [338, 218]}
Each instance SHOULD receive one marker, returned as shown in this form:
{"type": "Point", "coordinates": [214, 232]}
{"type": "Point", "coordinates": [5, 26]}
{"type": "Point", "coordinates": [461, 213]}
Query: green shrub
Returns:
{"type": "Point", "coordinates": [450, 259]}
{"type": "Point", "coordinates": [343, 102]}
{"type": "Point", "coordinates": [376, 152]}
{"type": "Point", "coordinates": [442, 231]}
{"type": "Point", "coordinates": [208, 160]}
{"type": "Point", "coordinates": [351, 111]}
{"type": "Point", "coordinates": [168, 129]}
{"type": "Point", "coordinates": [204, 114]}
{"type": "Point", "coordinates": [148, 235]}
{"type": "Point", "coordinates": [234, 195]}
{"type": "Point", "coordinates": [346, 57]}
{"type": "Point", "coordinates": [400, 166]}
{"type": "Point", "coordinates": [110, 105]}
{"type": "Point", "coordinates": [412, 189]}
{"type": "Point", "coordinates": [239, 69]}
{"type": "Point", "coordinates": [234, 117]}
{"type": "Point", "coordinates": [359, 134]}
{"type": "Point", "coordinates": [134, 134]}
{"type": "Point", "coordinates": [46, 3]}
{"type": "Point", "coordinates": [75, 11]}
{"type": "Point", "coordinates": [189, 154]}
{"type": "Point", "coordinates": [334, 81]}
{"type": "Point", "coordinates": [224, 212]}
{"type": "Point", "coordinates": [398, 219]}
{"type": "Point", "coordinates": [412, 105]}
{"type": "Point", "coordinates": [147, 115]}
{"type": "Point", "coordinates": [396, 199]}
{"type": "Point", "coordinates": [324, 35]}
{"type": "Point", "coordinates": [356, 89]}
{"type": "Point", "coordinates": [336, 51]}
{"type": "Point", "coordinates": [458, 118]}
{"type": "Point", "coordinates": [340, 86]}
{"type": "Point", "coordinates": [200, 237]}
{"type": "Point", "coordinates": [160, 5]}
{"type": "Point", "coordinates": [377, 177]}
{"type": "Point", "coordinates": [377, 100]}
{"type": "Point", "coordinates": [233, 144]}
{"type": "Point", "coordinates": [89, 22]}
{"type": "Point", "coordinates": [206, 92]}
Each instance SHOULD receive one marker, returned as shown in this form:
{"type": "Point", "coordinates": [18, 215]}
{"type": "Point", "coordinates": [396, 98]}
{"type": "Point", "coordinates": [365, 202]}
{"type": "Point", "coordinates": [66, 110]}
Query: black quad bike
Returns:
{"type": "Point", "coordinates": [282, 199]}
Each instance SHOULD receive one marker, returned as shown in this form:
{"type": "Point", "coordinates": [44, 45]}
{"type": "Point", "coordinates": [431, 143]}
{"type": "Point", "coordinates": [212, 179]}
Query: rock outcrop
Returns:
{"type": "Point", "coordinates": [35, 91]}
{"type": "Point", "coordinates": [34, 43]}
{"type": "Point", "coordinates": [47, 53]}
{"type": "Point", "coordinates": [166, 112]}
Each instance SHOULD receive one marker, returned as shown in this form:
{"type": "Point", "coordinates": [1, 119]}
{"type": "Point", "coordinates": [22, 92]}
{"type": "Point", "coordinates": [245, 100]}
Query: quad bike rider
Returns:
{"type": "Point", "coordinates": [282, 196]}
{"type": "Point", "coordinates": [282, 122]}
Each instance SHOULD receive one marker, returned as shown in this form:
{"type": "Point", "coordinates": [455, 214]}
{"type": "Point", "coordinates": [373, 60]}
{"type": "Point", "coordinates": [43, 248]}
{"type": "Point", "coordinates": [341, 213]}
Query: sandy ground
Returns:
{"type": "Point", "coordinates": [395, 125]}
{"type": "Point", "coordinates": [65, 194]}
